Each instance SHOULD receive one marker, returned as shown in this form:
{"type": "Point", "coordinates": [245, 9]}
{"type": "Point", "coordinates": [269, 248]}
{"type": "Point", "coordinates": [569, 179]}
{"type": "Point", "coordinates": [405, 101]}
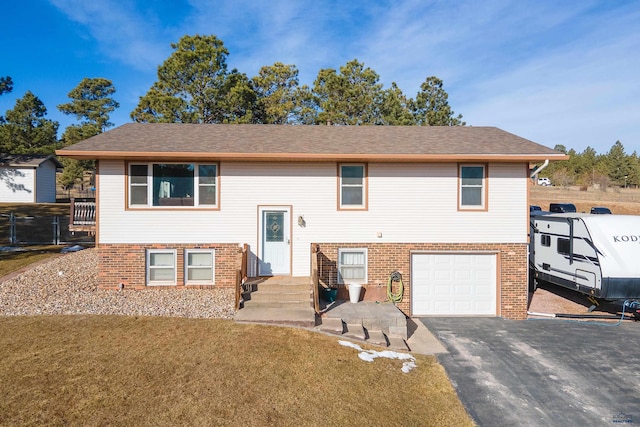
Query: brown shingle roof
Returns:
{"type": "Point", "coordinates": [281, 143]}
{"type": "Point", "coordinates": [26, 160]}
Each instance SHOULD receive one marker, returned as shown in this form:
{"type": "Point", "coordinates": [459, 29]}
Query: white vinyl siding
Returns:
{"type": "Point", "coordinates": [17, 185]}
{"type": "Point", "coordinates": [46, 183]}
{"type": "Point", "coordinates": [199, 266]}
{"type": "Point", "coordinates": [406, 203]}
{"type": "Point", "coordinates": [161, 267]}
{"type": "Point", "coordinates": [352, 266]}
{"type": "Point", "coordinates": [28, 184]}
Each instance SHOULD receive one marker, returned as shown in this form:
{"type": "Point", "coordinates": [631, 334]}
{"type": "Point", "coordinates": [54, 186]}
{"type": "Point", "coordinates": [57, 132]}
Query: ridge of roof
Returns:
{"type": "Point", "coordinates": [283, 142]}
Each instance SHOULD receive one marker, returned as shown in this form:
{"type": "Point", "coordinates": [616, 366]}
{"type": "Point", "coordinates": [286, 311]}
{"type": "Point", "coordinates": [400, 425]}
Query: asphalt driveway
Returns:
{"type": "Point", "coordinates": [546, 372]}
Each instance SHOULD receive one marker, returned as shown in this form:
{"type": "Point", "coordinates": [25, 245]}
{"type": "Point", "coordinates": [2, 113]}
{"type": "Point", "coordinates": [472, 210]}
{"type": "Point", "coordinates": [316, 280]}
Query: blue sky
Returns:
{"type": "Point", "coordinates": [555, 72]}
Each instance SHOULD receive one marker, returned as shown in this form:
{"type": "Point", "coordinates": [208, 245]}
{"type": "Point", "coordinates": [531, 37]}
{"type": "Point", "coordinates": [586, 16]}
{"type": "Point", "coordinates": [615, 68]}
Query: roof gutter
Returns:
{"type": "Point", "coordinates": [287, 157]}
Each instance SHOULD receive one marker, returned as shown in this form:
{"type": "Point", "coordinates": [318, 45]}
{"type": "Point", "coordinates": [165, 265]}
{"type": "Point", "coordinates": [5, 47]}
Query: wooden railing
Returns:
{"type": "Point", "coordinates": [83, 215]}
{"type": "Point", "coordinates": [241, 274]}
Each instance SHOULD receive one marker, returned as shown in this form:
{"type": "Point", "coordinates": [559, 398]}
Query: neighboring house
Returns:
{"type": "Point", "coordinates": [28, 178]}
{"type": "Point", "coordinates": [445, 206]}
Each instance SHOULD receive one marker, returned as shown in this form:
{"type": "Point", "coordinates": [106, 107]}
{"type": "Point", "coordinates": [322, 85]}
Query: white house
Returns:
{"type": "Point", "coordinates": [445, 206]}
{"type": "Point", "coordinates": [28, 178]}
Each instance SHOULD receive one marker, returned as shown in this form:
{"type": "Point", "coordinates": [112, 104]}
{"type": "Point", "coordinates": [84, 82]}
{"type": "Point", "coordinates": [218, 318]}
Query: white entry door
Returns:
{"type": "Point", "coordinates": [275, 253]}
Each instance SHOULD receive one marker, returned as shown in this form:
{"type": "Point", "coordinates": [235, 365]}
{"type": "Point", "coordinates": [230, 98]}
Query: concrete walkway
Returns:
{"type": "Point", "coordinates": [421, 340]}
{"type": "Point", "coordinates": [380, 324]}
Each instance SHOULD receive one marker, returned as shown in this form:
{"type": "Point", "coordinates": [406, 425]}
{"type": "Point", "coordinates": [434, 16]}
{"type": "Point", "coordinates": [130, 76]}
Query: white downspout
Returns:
{"type": "Point", "coordinates": [537, 171]}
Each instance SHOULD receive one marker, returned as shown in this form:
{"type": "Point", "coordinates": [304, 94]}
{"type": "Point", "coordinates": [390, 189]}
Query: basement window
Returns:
{"type": "Point", "coordinates": [352, 266]}
{"type": "Point", "coordinates": [161, 267]}
{"type": "Point", "coordinates": [199, 266]}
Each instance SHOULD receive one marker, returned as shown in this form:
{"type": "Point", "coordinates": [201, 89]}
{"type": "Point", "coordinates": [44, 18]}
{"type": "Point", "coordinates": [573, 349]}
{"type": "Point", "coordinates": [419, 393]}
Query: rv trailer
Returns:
{"type": "Point", "coordinates": [597, 255]}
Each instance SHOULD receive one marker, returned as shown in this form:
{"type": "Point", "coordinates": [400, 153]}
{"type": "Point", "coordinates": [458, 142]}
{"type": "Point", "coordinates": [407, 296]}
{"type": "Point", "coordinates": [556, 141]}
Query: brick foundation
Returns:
{"type": "Point", "coordinates": [126, 264]}
{"type": "Point", "coordinates": [384, 258]}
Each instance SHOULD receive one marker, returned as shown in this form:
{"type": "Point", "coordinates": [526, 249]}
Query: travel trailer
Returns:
{"type": "Point", "coordinates": [597, 255]}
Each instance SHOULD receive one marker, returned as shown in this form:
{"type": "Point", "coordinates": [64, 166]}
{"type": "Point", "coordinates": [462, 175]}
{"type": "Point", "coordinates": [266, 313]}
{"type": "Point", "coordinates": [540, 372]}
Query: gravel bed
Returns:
{"type": "Point", "coordinates": [68, 284]}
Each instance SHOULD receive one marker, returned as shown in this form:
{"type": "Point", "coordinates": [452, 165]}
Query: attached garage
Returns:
{"type": "Point", "coordinates": [454, 284]}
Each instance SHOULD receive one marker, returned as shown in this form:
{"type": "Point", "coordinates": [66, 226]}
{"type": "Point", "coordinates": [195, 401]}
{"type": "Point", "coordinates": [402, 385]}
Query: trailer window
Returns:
{"type": "Point", "coordinates": [545, 240]}
{"type": "Point", "coordinates": [563, 246]}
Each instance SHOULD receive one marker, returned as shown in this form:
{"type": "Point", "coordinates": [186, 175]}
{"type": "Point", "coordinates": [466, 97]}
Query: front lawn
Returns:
{"type": "Point", "coordinates": [14, 260]}
{"type": "Point", "coordinates": [117, 370]}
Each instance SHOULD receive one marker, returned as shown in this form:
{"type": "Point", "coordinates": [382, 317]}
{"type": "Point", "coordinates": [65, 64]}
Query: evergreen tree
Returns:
{"type": "Point", "coordinates": [91, 103]}
{"type": "Point", "coordinates": [351, 97]}
{"type": "Point", "coordinates": [194, 86]}
{"type": "Point", "coordinates": [431, 107]}
{"type": "Point", "coordinates": [25, 130]}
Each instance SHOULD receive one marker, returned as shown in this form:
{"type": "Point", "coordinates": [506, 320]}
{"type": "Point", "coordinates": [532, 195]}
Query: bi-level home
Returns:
{"type": "Point", "coordinates": [447, 207]}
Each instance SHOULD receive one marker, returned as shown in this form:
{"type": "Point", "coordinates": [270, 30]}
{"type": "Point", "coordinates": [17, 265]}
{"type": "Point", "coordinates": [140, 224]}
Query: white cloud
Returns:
{"type": "Point", "coordinates": [123, 33]}
{"type": "Point", "coordinates": [557, 73]}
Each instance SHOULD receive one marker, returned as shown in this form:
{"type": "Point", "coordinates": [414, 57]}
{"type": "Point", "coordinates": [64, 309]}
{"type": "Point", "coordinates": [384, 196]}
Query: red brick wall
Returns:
{"type": "Point", "coordinates": [384, 258]}
{"type": "Point", "coordinates": [126, 264]}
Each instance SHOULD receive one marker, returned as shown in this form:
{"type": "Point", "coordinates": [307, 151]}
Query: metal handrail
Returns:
{"type": "Point", "coordinates": [315, 276]}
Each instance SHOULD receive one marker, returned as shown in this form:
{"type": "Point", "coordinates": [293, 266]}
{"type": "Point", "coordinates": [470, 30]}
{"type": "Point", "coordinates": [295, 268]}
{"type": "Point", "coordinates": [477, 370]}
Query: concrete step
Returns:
{"type": "Point", "coordinates": [397, 343]}
{"type": "Point", "coordinates": [278, 287]}
{"type": "Point", "coordinates": [277, 297]}
{"type": "Point", "coordinates": [277, 300]}
{"type": "Point", "coordinates": [376, 337]}
{"type": "Point", "coordinates": [332, 325]}
{"type": "Point", "coordinates": [295, 316]}
{"type": "Point", "coordinates": [276, 306]}
{"type": "Point", "coordinates": [373, 316]}
{"type": "Point", "coordinates": [355, 331]}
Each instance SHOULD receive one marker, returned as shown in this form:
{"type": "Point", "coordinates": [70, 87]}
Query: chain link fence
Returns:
{"type": "Point", "coordinates": [40, 230]}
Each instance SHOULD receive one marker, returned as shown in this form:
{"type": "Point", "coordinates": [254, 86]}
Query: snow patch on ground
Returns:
{"type": "Point", "coordinates": [371, 355]}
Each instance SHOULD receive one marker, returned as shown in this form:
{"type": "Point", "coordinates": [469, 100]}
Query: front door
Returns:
{"type": "Point", "coordinates": [275, 253]}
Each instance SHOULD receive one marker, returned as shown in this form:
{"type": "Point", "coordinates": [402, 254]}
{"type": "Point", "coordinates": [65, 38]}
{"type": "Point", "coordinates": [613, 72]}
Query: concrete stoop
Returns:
{"type": "Point", "coordinates": [357, 331]}
{"type": "Point", "coordinates": [281, 301]}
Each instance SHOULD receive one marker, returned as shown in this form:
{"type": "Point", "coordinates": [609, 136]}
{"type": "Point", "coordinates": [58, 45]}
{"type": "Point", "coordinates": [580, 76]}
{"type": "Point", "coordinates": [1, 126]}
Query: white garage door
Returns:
{"type": "Point", "coordinates": [453, 284]}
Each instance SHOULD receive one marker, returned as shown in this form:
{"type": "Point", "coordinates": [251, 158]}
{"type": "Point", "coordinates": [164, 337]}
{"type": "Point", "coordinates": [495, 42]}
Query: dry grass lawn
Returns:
{"type": "Point", "coordinates": [109, 370]}
{"type": "Point", "coordinates": [15, 260]}
{"type": "Point", "coordinates": [11, 261]}
{"type": "Point", "coordinates": [620, 200]}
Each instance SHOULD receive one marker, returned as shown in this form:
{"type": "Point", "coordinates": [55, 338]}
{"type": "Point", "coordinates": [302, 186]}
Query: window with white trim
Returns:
{"type": "Point", "coordinates": [161, 267]}
{"type": "Point", "coordinates": [173, 184]}
{"type": "Point", "coordinates": [353, 186]}
{"type": "Point", "coordinates": [199, 265]}
{"type": "Point", "coordinates": [472, 186]}
{"type": "Point", "coordinates": [352, 266]}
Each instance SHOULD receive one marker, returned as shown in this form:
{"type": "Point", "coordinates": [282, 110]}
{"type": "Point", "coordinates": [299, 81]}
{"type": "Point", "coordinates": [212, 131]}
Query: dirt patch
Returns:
{"type": "Point", "coordinates": [551, 299]}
